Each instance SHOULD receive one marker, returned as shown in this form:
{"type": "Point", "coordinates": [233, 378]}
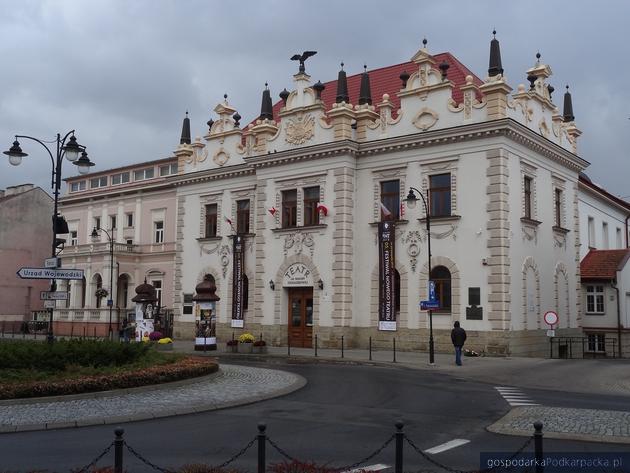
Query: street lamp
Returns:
{"type": "Point", "coordinates": [411, 201]}
{"type": "Point", "coordinates": [110, 301]}
{"type": "Point", "coordinates": [68, 147]}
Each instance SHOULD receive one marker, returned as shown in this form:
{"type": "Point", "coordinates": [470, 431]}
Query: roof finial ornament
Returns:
{"type": "Point", "coordinates": [342, 65]}
{"type": "Point", "coordinates": [303, 57]}
{"type": "Point", "coordinates": [494, 33]}
{"type": "Point", "coordinates": [568, 107]}
{"type": "Point", "coordinates": [185, 137]}
{"type": "Point", "coordinates": [342, 87]}
{"type": "Point", "coordinates": [266, 107]}
{"type": "Point", "coordinates": [494, 66]}
{"type": "Point", "coordinates": [365, 93]}
{"type": "Point", "coordinates": [538, 57]}
{"type": "Point", "coordinates": [424, 42]}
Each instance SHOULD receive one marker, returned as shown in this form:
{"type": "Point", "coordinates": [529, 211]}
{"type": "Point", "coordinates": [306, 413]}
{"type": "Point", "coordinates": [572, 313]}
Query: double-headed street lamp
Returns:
{"type": "Point", "coordinates": [110, 301]}
{"type": "Point", "coordinates": [68, 147]}
{"type": "Point", "coordinates": [411, 201]}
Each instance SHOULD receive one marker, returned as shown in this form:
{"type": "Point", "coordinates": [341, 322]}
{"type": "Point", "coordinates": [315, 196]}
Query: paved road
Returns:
{"type": "Point", "coordinates": [344, 413]}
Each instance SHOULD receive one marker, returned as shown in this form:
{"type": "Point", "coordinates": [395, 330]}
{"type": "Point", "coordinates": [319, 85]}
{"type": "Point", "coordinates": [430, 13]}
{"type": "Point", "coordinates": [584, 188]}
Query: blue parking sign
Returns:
{"type": "Point", "coordinates": [432, 297]}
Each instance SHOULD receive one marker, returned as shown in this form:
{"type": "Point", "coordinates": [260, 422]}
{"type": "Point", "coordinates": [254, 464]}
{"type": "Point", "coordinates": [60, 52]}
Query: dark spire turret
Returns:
{"type": "Point", "coordinates": [365, 93]}
{"type": "Point", "coordinates": [342, 87]}
{"type": "Point", "coordinates": [494, 66]}
{"type": "Point", "coordinates": [319, 88]}
{"type": "Point", "coordinates": [568, 107]}
{"type": "Point", "coordinates": [266, 108]}
{"type": "Point", "coordinates": [185, 139]}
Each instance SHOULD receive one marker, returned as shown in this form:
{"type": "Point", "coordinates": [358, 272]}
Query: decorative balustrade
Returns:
{"type": "Point", "coordinates": [119, 248]}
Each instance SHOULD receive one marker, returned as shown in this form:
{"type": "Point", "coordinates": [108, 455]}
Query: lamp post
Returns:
{"type": "Point", "coordinates": [411, 201]}
{"type": "Point", "coordinates": [110, 301]}
{"type": "Point", "coordinates": [68, 147]}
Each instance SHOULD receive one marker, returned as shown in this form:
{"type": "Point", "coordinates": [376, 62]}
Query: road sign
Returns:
{"type": "Point", "coordinates": [49, 304]}
{"type": "Point", "coordinates": [47, 273]}
{"type": "Point", "coordinates": [551, 333]}
{"type": "Point", "coordinates": [551, 318]}
{"type": "Point", "coordinates": [432, 296]}
{"type": "Point", "coordinates": [429, 305]}
{"type": "Point", "coordinates": [51, 262]}
{"type": "Point", "coordinates": [53, 296]}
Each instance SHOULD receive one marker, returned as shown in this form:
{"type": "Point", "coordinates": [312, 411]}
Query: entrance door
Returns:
{"type": "Point", "coordinates": [301, 317]}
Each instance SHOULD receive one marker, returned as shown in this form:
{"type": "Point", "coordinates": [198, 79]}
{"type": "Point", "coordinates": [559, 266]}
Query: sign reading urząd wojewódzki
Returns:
{"type": "Point", "coordinates": [48, 273]}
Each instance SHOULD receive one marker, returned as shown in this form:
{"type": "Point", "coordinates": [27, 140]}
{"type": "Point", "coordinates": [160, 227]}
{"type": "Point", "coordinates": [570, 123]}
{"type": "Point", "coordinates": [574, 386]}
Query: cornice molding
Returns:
{"type": "Point", "coordinates": [213, 174]}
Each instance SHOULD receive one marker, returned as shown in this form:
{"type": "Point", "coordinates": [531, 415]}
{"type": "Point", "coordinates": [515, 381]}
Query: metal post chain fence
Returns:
{"type": "Point", "coordinates": [453, 470]}
{"type": "Point", "coordinates": [281, 451]}
{"type": "Point", "coordinates": [145, 461]}
{"type": "Point", "coordinates": [234, 457]}
{"type": "Point", "coordinates": [95, 461]}
{"type": "Point", "coordinates": [368, 458]}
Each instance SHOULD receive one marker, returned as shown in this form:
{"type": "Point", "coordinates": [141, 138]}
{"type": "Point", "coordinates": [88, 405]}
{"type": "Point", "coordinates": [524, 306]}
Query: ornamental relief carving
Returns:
{"type": "Point", "coordinates": [412, 240]}
{"type": "Point", "coordinates": [221, 156]}
{"type": "Point", "coordinates": [298, 241]}
{"type": "Point", "coordinates": [530, 233]}
{"type": "Point", "coordinates": [300, 129]}
{"type": "Point", "coordinates": [425, 119]}
{"type": "Point", "coordinates": [199, 154]}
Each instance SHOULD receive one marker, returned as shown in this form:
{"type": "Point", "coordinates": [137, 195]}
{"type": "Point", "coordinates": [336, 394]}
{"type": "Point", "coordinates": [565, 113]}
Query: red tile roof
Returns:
{"type": "Point", "coordinates": [603, 264]}
{"type": "Point", "coordinates": [387, 80]}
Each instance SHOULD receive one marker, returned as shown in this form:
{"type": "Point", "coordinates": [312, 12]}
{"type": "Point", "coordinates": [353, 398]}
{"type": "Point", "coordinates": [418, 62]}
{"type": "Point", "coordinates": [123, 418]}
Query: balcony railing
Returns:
{"type": "Point", "coordinates": [119, 248]}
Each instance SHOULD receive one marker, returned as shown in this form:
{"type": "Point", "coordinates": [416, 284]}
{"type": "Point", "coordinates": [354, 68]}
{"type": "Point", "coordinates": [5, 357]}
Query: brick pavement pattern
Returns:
{"type": "Point", "coordinates": [232, 385]}
{"type": "Point", "coordinates": [566, 423]}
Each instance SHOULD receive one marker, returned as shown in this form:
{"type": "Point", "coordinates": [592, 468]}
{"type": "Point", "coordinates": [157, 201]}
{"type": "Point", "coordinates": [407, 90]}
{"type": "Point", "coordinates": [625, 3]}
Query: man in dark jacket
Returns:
{"type": "Point", "coordinates": [458, 337]}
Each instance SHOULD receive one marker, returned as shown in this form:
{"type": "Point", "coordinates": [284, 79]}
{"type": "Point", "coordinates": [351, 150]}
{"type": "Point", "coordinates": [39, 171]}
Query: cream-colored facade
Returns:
{"type": "Point", "coordinates": [505, 240]}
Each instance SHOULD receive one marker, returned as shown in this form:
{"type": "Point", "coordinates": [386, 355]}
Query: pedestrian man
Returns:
{"type": "Point", "coordinates": [458, 337]}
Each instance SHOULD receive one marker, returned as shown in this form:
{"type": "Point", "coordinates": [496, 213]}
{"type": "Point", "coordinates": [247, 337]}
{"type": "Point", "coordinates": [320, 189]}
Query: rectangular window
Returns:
{"type": "Point", "coordinates": [158, 292]}
{"type": "Point", "coordinates": [289, 209]}
{"type": "Point", "coordinates": [168, 169]}
{"type": "Point", "coordinates": [112, 222]}
{"type": "Point", "coordinates": [97, 223]}
{"type": "Point", "coordinates": [474, 296]}
{"type": "Point", "coordinates": [129, 220]}
{"type": "Point", "coordinates": [390, 200]}
{"type": "Point", "coordinates": [597, 342]}
{"type": "Point", "coordinates": [594, 299]}
{"type": "Point", "coordinates": [605, 242]}
{"type": "Point", "coordinates": [142, 174]}
{"type": "Point", "coordinates": [618, 234]}
{"type": "Point", "coordinates": [77, 186]}
{"type": "Point", "coordinates": [527, 194]}
{"type": "Point", "coordinates": [440, 195]}
{"type": "Point", "coordinates": [558, 207]}
{"type": "Point", "coordinates": [74, 238]}
{"type": "Point", "coordinates": [188, 304]}
{"type": "Point", "coordinates": [158, 228]}
{"type": "Point", "coordinates": [211, 221]}
{"type": "Point", "coordinates": [311, 199]}
{"type": "Point", "coordinates": [121, 178]}
{"type": "Point", "coordinates": [98, 182]}
{"type": "Point", "coordinates": [242, 216]}
{"type": "Point", "coordinates": [591, 232]}
{"type": "Point", "coordinates": [129, 241]}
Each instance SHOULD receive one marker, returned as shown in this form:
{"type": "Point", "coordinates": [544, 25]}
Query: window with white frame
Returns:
{"type": "Point", "coordinates": [120, 178]}
{"type": "Point", "coordinates": [142, 174]}
{"type": "Point", "coordinates": [188, 304]}
{"type": "Point", "coordinates": [596, 342]}
{"type": "Point", "coordinates": [168, 169]}
{"type": "Point", "coordinates": [558, 207]}
{"type": "Point", "coordinates": [528, 197]}
{"type": "Point", "coordinates": [78, 186]}
{"type": "Point", "coordinates": [595, 299]}
{"type": "Point", "coordinates": [96, 182]}
{"type": "Point", "coordinates": [130, 219]}
{"type": "Point", "coordinates": [605, 241]}
{"type": "Point", "coordinates": [97, 223]}
{"type": "Point", "coordinates": [157, 284]}
{"type": "Point", "coordinates": [112, 222]}
{"type": "Point", "coordinates": [591, 232]}
{"type": "Point", "coordinates": [74, 238]}
{"type": "Point", "coordinates": [158, 230]}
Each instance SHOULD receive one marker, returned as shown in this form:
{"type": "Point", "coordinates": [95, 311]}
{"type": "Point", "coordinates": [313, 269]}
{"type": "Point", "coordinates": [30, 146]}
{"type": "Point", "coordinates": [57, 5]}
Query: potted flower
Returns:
{"type": "Point", "coordinates": [232, 346]}
{"type": "Point", "coordinates": [101, 293]}
{"type": "Point", "coordinates": [259, 346]}
{"type": "Point", "coordinates": [164, 344]}
{"type": "Point", "coordinates": [245, 343]}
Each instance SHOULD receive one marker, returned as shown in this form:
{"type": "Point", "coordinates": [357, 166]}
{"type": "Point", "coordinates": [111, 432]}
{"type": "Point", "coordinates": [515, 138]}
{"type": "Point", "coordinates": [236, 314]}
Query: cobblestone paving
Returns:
{"type": "Point", "coordinates": [232, 385]}
{"type": "Point", "coordinates": [566, 423]}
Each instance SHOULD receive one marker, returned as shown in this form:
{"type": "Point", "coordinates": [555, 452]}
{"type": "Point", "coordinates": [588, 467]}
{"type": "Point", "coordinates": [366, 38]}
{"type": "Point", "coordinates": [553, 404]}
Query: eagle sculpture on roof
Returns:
{"type": "Point", "coordinates": [303, 57]}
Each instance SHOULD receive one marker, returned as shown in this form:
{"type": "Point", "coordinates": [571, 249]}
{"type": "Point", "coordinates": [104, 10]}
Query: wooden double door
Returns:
{"type": "Point", "coordinates": [301, 317]}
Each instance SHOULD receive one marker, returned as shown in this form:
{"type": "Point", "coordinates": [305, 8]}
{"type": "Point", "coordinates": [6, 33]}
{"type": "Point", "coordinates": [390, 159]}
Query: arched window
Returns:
{"type": "Point", "coordinates": [245, 291]}
{"type": "Point", "coordinates": [397, 290]}
{"type": "Point", "coordinates": [442, 278]}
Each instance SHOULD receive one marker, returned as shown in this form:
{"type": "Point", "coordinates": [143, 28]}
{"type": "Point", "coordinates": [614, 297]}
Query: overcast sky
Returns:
{"type": "Point", "coordinates": [123, 72]}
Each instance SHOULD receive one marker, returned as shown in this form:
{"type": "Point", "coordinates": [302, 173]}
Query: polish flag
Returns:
{"type": "Point", "coordinates": [228, 220]}
{"type": "Point", "coordinates": [385, 211]}
{"type": "Point", "coordinates": [322, 209]}
{"type": "Point", "coordinates": [272, 211]}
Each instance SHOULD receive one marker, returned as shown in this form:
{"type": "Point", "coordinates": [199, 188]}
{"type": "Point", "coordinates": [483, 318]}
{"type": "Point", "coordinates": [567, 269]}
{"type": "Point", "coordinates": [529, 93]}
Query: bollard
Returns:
{"type": "Point", "coordinates": [370, 348]}
{"type": "Point", "coordinates": [400, 435]}
{"type": "Point", "coordinates": [315, 344]}
{"type": "Point", "coordinates": [118, 450]}
{"type": "Point", "coordinates": [342, 346]}
{"type": "Point", "coordinates": [538, 446]}
{"type": "Point", "coordinates": [394, 349]}
{"type": "Point", "coordinates": [262, 440]}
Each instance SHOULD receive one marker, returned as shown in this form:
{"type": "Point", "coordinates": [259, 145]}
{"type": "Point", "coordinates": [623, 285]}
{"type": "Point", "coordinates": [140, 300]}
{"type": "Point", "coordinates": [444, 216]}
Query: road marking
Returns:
{"type": "Point", "coordinates": [447, 446]}
{"type": "Point", "coordinates": [376, 467]}
{"type": "Point", "coordinates": [515, 397]}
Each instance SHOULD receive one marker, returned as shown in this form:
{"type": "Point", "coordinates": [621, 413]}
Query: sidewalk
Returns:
{"type": "Point", "coordinates": [591, 376]}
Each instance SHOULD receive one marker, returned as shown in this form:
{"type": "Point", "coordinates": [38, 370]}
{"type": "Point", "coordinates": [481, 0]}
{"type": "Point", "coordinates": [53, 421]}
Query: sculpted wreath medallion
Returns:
{"type": "Point", "coordinates": [300, 130]}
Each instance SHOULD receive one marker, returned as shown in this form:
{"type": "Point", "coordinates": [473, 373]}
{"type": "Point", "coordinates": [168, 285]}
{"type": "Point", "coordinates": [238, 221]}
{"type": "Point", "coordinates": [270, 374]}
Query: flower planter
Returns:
{"type": "Point", "coordinates": [259, 350]}
{"type": "Point", "coordinates": [245, 347]}
{"type": "Point", "coordinates": [231, 348]}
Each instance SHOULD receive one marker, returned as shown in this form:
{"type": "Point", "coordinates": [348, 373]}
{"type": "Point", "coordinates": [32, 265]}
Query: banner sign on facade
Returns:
{"type": "Point", "coordinates": [238, 253]}
{"type": "Point", "coordinates": [386, 267]}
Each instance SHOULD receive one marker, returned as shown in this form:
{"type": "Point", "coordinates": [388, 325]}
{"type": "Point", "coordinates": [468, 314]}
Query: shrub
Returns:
{"type": "Point", "coordinates": [260, 343]}
{"type": "Point", "coordinates": [246, 338]}
{"type": "Point", "coordinates": [155, 336]}
{"type": "Point", "coordinates": [232, 343]}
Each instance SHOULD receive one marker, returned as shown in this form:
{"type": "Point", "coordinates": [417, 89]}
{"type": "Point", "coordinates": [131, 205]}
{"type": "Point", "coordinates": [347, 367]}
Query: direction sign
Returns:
{"type": "Point", "coordinates": [53, 296]}
{"type": "Point", "coordinates": [429, 305]}
{"type": "Point", "coordinates": [551, 318]}
{"type": "Point", "coordinates": [49, 304]}
{"type": "Point", "coordinates": [51, 262]}
{"type": "Point", "coordinates": [47, 273]}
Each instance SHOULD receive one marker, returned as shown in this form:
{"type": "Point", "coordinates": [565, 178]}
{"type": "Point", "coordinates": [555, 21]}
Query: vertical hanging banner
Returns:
{"type": "Point", "coordinates": [386, 267]}
{"type": "Point", "coordinates": [238, 252]}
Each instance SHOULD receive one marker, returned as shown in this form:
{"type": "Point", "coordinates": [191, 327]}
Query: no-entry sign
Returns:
{"type": "Point", "coordinates": [551, 318]}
